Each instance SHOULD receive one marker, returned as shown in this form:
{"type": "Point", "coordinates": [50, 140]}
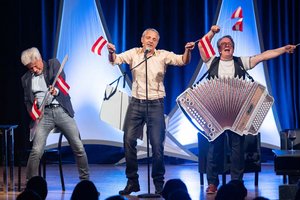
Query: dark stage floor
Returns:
{"type": "Point", "coordinates": [109, 179]}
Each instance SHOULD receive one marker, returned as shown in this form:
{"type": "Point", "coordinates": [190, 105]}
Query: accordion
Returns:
{"type": "Point", "coordinates": [226, 103]}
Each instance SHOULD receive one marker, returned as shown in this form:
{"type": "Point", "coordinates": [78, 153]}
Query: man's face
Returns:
{"type": "Point", "coordinates": [150, 40]}
{"type": "Point", "coordinates": [226, 48]}
{"type": "Point", "coordinates": [36, 67]}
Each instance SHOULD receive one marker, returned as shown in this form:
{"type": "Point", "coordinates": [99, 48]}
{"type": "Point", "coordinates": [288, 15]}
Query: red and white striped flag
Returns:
{"type": "Point", "coordinates": [35, 112]}
{"type": "Point", "coordinates": [206, 45]}
{"type": "Point", "coordinates": [62, 85]}
{"type": "Point", "coordinates": [98, 45]}
{"type": "Point", "coordinates": [238, 26]}
{"type": "Point", "coordinates": [238, 13]}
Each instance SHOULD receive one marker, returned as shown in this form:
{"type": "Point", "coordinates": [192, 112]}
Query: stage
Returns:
{"type": "Point", "coordinates": [109, 179]}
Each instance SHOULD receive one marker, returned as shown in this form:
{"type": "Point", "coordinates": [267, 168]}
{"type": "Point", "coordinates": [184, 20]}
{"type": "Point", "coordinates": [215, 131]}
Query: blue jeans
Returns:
{"type": "Point", "coordinates": [57, 117]}
{"type": "Point", "coordinates": [133, 129]}
{"type": "Point", "coordinates": [237, 160]}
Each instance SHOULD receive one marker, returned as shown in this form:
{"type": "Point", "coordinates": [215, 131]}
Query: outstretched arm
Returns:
{"type": "Point", "coordinates": [213, 30]}
{"type": "Point", "coordinates": [269, 54]}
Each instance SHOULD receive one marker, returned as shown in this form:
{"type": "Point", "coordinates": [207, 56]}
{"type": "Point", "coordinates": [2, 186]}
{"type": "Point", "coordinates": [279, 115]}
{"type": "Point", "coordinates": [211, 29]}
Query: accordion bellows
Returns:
{"type": "Point", "coordinates": [226, 103]}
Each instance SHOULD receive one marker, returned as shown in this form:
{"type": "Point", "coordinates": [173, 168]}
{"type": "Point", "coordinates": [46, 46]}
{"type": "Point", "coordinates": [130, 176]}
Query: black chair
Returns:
{"type": "Point", "coordinates": [252, 157]}
{"type": "Point", "coordinates": [53, 152]}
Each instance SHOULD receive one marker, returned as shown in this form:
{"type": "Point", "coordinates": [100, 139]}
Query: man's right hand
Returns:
{"type": "Point", "coordinates": [111, 48]}
{"type": "Point", "coordinates": [215, 29]}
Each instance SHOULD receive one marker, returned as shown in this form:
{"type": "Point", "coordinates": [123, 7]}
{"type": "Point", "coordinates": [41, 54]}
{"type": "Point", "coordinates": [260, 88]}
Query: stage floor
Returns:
{"type": "Point", "coordinates": [109, 179]}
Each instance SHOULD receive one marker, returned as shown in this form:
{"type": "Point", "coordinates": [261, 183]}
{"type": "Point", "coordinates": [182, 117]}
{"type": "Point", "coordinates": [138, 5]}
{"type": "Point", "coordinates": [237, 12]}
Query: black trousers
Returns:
{"type": "Point", "coordinates": [237, 160]}
{"type": "Point", "coordinates": [133, 129]}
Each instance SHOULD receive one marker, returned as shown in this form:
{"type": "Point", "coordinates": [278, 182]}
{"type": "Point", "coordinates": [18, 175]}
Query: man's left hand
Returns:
{"type": "Point", "coordinates": [290, 48]}
{"type": "Point", "coordinates": [52, 91]}
{"type": "Point", "coordinates": [190, 46]}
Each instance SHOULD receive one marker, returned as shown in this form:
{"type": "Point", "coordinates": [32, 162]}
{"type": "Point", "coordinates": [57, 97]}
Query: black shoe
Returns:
{"type": "Point", "coordinates": [130, 188]}
{"type": "Point", "coordinates": [158, 187]}
{"type": "Point", "coordinates": [158, 190]}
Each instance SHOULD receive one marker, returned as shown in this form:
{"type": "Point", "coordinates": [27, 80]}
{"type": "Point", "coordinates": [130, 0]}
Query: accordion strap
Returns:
{"type": "Point", "coordinates": [213, 66]}
{"type": "Point", "coordinates": [239, 61]}
{"type": "Point", "coordinates": [208, 71]}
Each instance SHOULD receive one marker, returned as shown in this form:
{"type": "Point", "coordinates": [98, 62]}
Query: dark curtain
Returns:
{"type": "Point", "coordinates": [26, 24]}
{"type": "Point", "coordinates": [177, 21]}
{"type": "Point", "coordinates": [280, 25]}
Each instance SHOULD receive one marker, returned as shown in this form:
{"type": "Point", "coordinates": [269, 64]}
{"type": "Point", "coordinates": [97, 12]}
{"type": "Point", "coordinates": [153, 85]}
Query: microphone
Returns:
{"type": "Point", "coordinates": [147, 50]}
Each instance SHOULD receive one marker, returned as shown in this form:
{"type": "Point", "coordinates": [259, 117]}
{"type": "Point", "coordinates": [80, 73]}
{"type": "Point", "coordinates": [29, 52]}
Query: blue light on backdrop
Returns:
{"type": "Point", "coordinates": [88, 74]}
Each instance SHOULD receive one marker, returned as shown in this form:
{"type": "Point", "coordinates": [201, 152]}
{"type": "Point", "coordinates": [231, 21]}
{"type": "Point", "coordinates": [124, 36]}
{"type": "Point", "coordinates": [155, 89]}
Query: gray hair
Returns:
{"type": "Point", "coordinates": [30, 55]}
{"type": "Point", "coordinates": [150, 29]}
{"type": "Point", "coordinates": [226, 36]}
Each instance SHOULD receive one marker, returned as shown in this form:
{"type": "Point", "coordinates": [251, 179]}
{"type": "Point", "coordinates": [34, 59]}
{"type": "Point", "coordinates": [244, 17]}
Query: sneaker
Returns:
{"type": "Point", "coordinates": [211, 189]}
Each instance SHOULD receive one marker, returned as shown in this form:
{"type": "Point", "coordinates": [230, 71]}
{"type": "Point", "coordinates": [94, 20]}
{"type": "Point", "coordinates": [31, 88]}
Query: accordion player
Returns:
{"type": "Point", "coordinates": [226, 103]}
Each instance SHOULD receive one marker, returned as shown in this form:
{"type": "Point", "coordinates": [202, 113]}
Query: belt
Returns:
{"type": "Point", "coordinates": [52, 106]}
{"type": "Point", "coordinates": [161, 100]}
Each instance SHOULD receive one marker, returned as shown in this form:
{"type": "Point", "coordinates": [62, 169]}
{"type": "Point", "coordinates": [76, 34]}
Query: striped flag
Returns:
{"type": "Point", "coordinates": [98, 45]}
{"type": "Point", "coordinates": [238, 26]}
{"type": "Point", "coordinates": [238, 13]}
{"type": "Point", "coordinates": [35, 112]}
{"type": "Point", "coordinates": [206, 45]}
{"type": "Point", "coordinates": [62, 85]}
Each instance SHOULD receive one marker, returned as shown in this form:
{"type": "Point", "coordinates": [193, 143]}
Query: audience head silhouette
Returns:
{"type": "Point", "coordinates": [297, 195]}
{"type": "Point", "coordinates": [28, 194]}
{"type": "Point", "coordinates": [39, 185]}
{"type": "Point", "coordinates": [179, 195]}
{"type": "Point", "coordinates": [240, 187]}
{"type": "Point", "coordinates": [233, 190]}
{"type": "Point", "coordinates": [173, 185]}
{"type": "Point", "coordinates": [260, 198]}
{"type": "Point", "coordinates": [85, 189]}
{"type": "Point", "coordinates": [116, 197]}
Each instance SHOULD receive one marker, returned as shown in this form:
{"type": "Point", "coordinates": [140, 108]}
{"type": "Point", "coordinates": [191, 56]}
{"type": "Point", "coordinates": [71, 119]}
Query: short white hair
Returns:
{"type": "Point", "coordinates": [30, 55]}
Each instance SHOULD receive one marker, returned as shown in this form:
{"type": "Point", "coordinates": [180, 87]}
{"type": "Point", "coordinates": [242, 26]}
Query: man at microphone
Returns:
{"type": "Point", "coordinates": [157, 61]}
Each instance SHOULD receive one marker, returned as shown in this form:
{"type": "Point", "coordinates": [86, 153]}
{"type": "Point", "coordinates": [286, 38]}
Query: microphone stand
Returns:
{"type": "Point", "coordinates": [147, 195]}
{"type": "Point", "coordinates": [107, 97]}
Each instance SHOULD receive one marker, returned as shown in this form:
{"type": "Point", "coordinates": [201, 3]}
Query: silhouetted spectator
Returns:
{"type": "Point", "coordinates": [173, 185]}
{"type": "Point", "coordinates": [297, 196]}
{"type": "Point", "coordinates": [260, 198]}
{"type": "Point", "coordinates": [241, 190]}
{"type": "Point", "coordinates": [28, 195]}
{"type": "Point", "coordinates": [226, 192]}
{"type": "Point", "coordinates": [233, 190]}
{"type": "Point", "coordinates": [84, 190]}
{"type": "Point", "coordinates": [39, 185]}
{"type": "Point", "coordinates": [116, 197]}
{"type": "Point", "coordinates": [179, 195]}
